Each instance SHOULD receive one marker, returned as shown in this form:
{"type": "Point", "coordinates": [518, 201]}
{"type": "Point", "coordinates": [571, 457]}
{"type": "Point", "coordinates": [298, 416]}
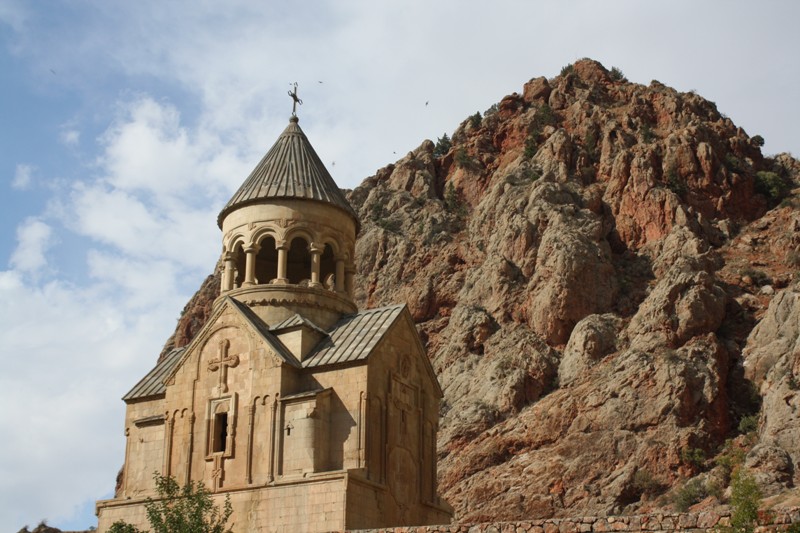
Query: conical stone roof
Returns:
{"type": "Point", "coordinates": [291, 169]}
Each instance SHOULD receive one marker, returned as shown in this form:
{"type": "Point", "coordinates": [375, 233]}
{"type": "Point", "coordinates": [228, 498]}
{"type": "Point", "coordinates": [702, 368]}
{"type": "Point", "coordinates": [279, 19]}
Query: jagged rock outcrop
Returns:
{"type": "Point", "coordinates": [601, 273]}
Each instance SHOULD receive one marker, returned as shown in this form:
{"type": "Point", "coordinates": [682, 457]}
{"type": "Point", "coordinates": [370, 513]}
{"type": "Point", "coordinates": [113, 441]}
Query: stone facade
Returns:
{"type": "Point", "coordinates": [308, 414]}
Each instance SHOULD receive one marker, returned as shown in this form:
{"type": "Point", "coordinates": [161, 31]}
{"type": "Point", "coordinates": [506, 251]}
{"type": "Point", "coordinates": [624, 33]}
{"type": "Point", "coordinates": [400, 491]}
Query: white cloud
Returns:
{"type": "Point", "coordinates": [70, 137]}
{"type": "Point", "coordinates": [23, 176]}
{"type": "Point", "coordinates": [13, 13]}
{"type": "Point", "coordinates": [34, 237]}
{"type": "Point", "coordinates": [68, 353]}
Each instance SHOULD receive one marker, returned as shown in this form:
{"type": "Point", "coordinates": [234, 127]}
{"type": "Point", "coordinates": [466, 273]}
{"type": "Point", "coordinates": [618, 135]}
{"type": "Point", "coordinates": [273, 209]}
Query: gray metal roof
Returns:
{"type": "Point", "coordinates": [351, 339]}
{"type": "Point", "coordinates": [153, 383]}
{"type": "Point", "coordinates": [354, 337]}
{"type": "Point", "coordinates": [291, 169]}
{"type": "Point", "coordinates": [295, 321]}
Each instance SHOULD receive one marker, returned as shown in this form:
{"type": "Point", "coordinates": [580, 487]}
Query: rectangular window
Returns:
{"type": "Point", "coordinates": [220, 432]}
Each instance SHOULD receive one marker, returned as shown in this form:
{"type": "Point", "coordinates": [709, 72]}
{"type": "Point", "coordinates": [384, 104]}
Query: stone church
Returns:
{"type": "Point", "coordinates": [309, 414]}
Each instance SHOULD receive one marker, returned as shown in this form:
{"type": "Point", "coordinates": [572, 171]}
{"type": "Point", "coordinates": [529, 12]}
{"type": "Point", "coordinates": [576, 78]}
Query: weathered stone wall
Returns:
{"type": "Point", "coordinates": [773, 520]}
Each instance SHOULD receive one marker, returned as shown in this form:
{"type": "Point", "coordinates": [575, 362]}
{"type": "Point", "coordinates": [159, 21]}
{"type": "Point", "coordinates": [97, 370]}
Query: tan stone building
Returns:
{"type": "Point", "coordinates": [310, 414]}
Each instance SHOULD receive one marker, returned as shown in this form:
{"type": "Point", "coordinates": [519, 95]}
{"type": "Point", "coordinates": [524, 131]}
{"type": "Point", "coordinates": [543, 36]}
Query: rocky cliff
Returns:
{"type": "Point", "coordinates": [605, 274]}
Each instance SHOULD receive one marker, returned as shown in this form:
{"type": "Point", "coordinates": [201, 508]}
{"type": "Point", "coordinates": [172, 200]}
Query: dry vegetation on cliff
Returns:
{"type": "Point", "coordinates": [606, 277]}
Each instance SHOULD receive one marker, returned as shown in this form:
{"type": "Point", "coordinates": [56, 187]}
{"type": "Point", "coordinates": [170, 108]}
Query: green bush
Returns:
{"type": "Point", "coordinates": [181, 510]}
{"type": "Point", "coordinates": [733, 163]}
{"type": "Point", "coordinates": [772, 185]}
{"type": "Point", "coordinates": [694, 457]}
{"type": "Point", "coordinates": [645, 483]}
{"type": "Point", "coordinates": [544, 116]}
{"type": "Point", "coordinates": [453, 202]}
{"type": "Point", "coordinates": [689, 494]}
{"type": "Point", "coordinates": [647, 133]}
{"type": "Point", "coordinates": [757, 140]}
{"type": "Point", "coordinates": [759, 277]}
{"type": "Point", "coordinates": [463, 160]}
{"type": "Point", "coordinates": [617, 75]}
{"type": "Point", "coordinates": [531, 145]}
{"type": "Point", "coordinates": [590, 143]}
{"type": "Point", "coordinates": [745, 499]}
{"type": "Point", "coordinates": [476, 119]}
{"type": "Point", "coordinates": [748, 424]}
{"type": "Point", "coordinates": [567, 69]}
{"type": "Point", "coordinates": [675, 184]}
{"type": "Point", "coordinates": [443, 145]}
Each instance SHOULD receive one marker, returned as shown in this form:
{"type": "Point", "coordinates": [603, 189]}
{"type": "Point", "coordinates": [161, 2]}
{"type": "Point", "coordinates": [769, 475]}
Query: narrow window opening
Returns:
{"type": "Point", "coordinates": [220, 432]}
{"type": "Point", "coordinates": [267, 261]}
{"type": "Point", "coordinates": [298, 261]}
{"type": "Point", "coordinates": [327, 268]}
{"type": "Point", "coordinates": [239, 265]}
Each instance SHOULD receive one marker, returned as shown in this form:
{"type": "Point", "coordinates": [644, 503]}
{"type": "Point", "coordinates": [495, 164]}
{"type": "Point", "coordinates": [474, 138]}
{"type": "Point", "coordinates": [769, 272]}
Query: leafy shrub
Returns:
{"type": "Point", "coordinates": [463, 160]}
{"type": "Point", "coordinates": [181, 509]}
{"type": "Point", "coordinates": [476, 119]}
{"type": "Point", "coordinates": [645, 483]}
{"type": "Point", "coordinates": [617, 75]}
{"type": "Point", "coordinates": [443, 145]}
{"type": "Point", "coordinates": [567, 69]}
{"type": "Point", "coordinates": [494, 108]}
{"type": "Point", "coordinates": [731, 458]}
{"type": "Point", "coordinates": [772, 185]}
{"type": "Point", "coordinates": [689, 494]}
{"type": "Point", "coordinates": [544, 116]}
{"type": "Point", "coordinates": [757, 140]}
{"type": "Point", "coordinates": [647, 133]}
{"type": "Point", "coordinates": [733, 163]}
{"type": "Point", "coordinates": [453, 203]}
{"type": "Point", "coordinates": [745, 499]}
{"type": "Point", "coordinates": [531, 145]}
{"type": "Point", "coordinates": [694, 457]}
{"type": "Point", "coordinates": [759, 277]}
{"type": "Point", "coordinates": [748, 424]}
{"type": "Point", "coordinates": [388, 224]}
{"type": "Point", "coordinates": [675, 184]}
{"type": "Point", "coordinates": [590, 143]}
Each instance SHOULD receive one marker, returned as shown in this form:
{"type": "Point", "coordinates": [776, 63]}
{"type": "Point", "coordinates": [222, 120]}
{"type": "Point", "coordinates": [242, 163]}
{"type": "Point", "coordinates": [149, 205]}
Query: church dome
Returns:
{"type": "Point", "coordinates": [291, 169]}
{"type": "Point", "coordinates": [288, 237]}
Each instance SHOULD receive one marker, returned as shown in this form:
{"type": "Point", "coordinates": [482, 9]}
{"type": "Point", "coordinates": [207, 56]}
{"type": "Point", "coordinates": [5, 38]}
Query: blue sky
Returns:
{"type": "Point", "coordinates": [125, 126]}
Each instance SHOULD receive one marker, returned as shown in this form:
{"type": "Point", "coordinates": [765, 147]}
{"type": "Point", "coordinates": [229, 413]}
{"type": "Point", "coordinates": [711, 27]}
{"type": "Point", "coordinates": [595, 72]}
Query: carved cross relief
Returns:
{"type": "Point", "coordinates": [222, 362]}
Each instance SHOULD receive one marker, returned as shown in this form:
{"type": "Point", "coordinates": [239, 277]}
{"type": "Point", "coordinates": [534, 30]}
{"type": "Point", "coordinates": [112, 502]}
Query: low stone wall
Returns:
{"type": "Point", "coordinates": [708, 521]}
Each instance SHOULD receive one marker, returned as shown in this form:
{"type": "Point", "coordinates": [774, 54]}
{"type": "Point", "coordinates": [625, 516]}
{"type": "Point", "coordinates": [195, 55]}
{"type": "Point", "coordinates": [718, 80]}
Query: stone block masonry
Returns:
{"type": "Point", "coordinates": [706, 521]}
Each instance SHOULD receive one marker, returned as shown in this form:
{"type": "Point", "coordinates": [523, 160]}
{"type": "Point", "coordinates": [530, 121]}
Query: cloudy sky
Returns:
{"type": "Point", "coordinates": [126, 126]}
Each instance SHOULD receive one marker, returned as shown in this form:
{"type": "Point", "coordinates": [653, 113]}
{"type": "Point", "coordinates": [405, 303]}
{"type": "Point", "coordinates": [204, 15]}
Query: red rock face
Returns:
{"type": "Point", "coordinates": [586, 265]}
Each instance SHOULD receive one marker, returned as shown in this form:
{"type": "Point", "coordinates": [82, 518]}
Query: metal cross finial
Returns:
{"type": "Point", "coordinates": [295, 100]}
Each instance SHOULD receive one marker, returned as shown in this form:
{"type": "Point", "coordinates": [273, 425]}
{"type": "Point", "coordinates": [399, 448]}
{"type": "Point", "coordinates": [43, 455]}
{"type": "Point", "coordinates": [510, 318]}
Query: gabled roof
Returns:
{"type": "Point", "coordinates": [291, 169]}
{"type": "Point", "coordinates": [295, 321]}
{"type": "Point", "coordinates": [250, 318]}
{"type": "Point", "coordinates": [354, 337]}
{"type": "Point", "coordinates": [268, 337]}
{"type": "Point", "coordinates": [152, 384]}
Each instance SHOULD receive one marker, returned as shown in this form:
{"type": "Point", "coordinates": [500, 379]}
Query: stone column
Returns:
{"type": "Point", "coordinates": [250, 266]}
{"type": "Point", "coordinates": [339, 287]}
{"type": "Point", "coordinates": [228, 272]}
{"type": "Point", "coordinates": [282, 261]}
{"type": "Point", "coordinates": [316, 253]}
{"type": "Point", "coordinates": [349, 277]}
